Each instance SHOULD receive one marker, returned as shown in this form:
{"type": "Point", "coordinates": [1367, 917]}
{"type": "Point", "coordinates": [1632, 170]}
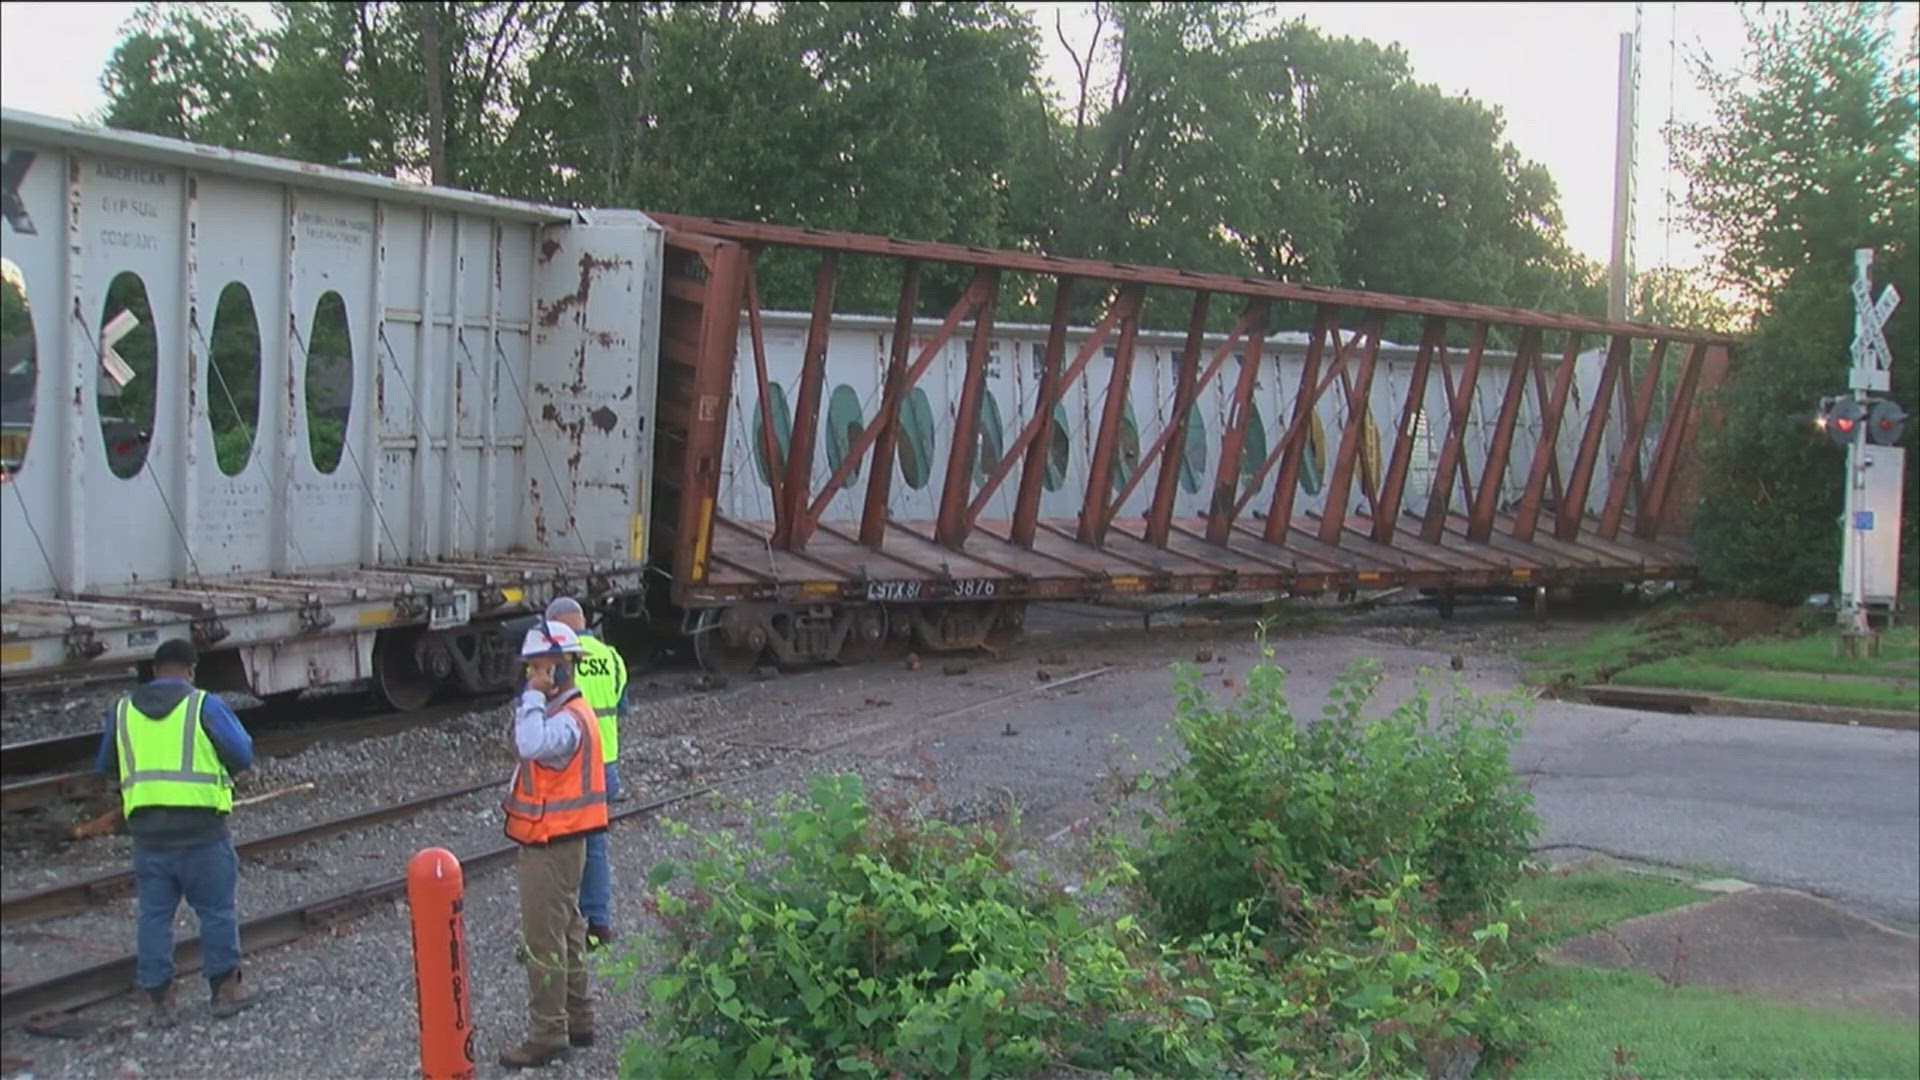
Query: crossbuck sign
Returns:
{"type": "Point", "coordinates": [1871, 357]}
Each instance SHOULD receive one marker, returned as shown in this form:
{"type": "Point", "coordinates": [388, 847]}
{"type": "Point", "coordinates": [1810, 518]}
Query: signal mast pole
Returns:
{"type": "Point", "coordinates": [1871, 359]}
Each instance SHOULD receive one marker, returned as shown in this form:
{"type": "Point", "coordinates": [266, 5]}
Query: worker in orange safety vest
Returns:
{"type": "Point", "coordinates": [558, 799]}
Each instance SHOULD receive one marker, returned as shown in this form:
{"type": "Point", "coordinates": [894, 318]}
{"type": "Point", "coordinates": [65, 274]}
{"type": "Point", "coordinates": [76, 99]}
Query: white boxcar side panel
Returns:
{"type": "Point", "coordinates": [464, 436]}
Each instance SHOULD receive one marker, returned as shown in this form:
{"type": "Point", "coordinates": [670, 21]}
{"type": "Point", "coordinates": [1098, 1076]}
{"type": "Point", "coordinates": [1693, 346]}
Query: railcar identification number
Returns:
{"type": "Point", "coordinates": [973, 588]}
{"type": "Point", "coordinates": [893, 590]}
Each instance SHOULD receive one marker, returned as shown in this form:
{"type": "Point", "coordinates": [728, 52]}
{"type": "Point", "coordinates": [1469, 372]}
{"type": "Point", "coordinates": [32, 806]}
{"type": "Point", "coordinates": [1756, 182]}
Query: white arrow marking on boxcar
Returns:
{"type": "Point", "coordinates": [110, 361]}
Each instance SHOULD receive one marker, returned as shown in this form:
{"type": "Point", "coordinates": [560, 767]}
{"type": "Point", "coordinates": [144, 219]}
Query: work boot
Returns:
{"type": "Point", "coordinates": [532, 1055]}
{"type": "Point", "coordinates": [599, 937]}
{"type": "Point", "coordinates": [160, 1011]}
{"type": "Point", "coordinates": [228, 996]}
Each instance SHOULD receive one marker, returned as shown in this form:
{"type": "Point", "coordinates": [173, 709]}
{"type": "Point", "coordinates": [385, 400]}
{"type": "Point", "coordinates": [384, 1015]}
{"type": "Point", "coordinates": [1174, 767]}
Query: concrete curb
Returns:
{"type": "Point", "coordinates": [1685, 701]}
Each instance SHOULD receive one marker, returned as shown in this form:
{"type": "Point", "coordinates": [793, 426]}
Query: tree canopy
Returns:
{"type": "Point", "coordinates": [1813, 152]}
{"type": "Point", "coordinates": [1216, 143]}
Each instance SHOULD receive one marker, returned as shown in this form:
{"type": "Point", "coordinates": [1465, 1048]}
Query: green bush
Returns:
{"type": "Point", "coordinates": [1263, 813]}
{"type": "Point", "coordinates": [1333, 900]}
{"type": "Point", "coordinates": [850, 941]}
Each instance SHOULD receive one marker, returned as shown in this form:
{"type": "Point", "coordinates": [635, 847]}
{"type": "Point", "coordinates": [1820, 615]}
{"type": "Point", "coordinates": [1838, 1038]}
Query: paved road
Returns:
{"type": "Point", "coordinates": [1832, 810]}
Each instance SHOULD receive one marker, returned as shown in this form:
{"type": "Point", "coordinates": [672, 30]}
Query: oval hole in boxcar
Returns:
{"type": "Point", "coordinates": [1312, 463]}
{"type": "Point", "coordinates": [1193, 457]}
{"type": "Point", "coordinates": [990, 437]}
{"type": "Point", "coordinates": [19, 369]}
{"type": "Point", "coordinates": [1126, 455]}
{"type": "Point", "coordinates": [329, 381]}
{"type": "Point", "coordinates": [843, 427]}
{"type": "Point", "coordinates": [1253, 444]}
{"type": "Point", "coordinates": [233, 378]}
{"type": "Point", "coordinates": [129, 353]}
{"type": "Point", "coordinates": [782, 430]}
{"type": "Point", "coordinates": [1059, 451]}
{"type": "Point", "coordinates": [916, 439]}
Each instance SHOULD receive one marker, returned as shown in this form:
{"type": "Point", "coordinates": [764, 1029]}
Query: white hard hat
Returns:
{"type": "Point", "coordinates": [549, 638]}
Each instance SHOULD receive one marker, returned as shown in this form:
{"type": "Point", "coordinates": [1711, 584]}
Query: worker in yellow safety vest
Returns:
{"type": "Point", "coordinates": [174, 749]}
{"type": "Point", "coordinates": [601, 675]}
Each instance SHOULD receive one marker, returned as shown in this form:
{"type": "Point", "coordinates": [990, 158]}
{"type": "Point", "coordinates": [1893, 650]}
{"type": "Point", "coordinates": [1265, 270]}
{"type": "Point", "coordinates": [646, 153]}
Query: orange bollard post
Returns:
{"type": "Point", "coordinates": [434, 889]}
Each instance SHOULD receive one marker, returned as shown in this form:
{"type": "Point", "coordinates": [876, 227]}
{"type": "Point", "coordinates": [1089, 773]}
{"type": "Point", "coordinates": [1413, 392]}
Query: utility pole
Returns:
{"type": "Point", "coordinates": [1620, 271]}
{"type": "Point", "coordinates": [436, 113]}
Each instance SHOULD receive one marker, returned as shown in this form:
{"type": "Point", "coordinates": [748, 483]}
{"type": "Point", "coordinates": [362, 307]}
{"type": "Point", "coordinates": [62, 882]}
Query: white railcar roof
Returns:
{"type": "Point", "coordinates": [36, 129]}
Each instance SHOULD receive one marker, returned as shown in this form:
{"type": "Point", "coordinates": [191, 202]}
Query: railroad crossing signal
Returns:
{"type": "Point", "coordinates": [1840, 418]}
{"type": "Point", "coordinates": [1886, 422]}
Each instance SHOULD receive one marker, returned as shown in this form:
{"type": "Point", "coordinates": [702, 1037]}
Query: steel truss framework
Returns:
{"type": "Point", "coordinates": [1374, 541]}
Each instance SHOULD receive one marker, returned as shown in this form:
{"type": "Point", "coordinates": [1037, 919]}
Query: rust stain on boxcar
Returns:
{"type": "Point", "coordinates": [550, 314]}
{"type": "Point", "coordinates": [604, 418]}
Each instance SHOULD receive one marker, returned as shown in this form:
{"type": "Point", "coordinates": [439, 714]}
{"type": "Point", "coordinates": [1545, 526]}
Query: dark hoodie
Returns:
{"type": "Point", "coordinates": [179, 826]}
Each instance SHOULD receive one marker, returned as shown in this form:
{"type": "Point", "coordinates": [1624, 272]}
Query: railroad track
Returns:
{"type": "Point", "coordinates": [75, 896]}
{"type": "Point", "coordinates": [42, 1004]}
{"type": "Point", "coordinates": [83, 784]}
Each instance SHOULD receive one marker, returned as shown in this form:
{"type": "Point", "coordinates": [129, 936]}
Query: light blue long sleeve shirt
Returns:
{"type": "Point", "coordinates": [545, 731]}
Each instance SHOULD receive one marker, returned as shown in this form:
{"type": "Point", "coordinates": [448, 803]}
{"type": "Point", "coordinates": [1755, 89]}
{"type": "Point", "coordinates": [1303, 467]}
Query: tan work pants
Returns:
{"type": "Point", "coordinates": [556, 939]}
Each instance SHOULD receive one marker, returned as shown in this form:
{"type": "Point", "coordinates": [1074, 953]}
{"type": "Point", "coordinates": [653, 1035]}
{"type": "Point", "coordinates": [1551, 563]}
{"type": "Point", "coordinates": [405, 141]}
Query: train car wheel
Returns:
{"type": "Point", "coordinates": [398, 680]}
{"type": "Point", "coordinates": [1007, 628]}
{"type": "Point", "coordinates": [869, 638]}
{"type": "Point", "coordinates": [718, 656]}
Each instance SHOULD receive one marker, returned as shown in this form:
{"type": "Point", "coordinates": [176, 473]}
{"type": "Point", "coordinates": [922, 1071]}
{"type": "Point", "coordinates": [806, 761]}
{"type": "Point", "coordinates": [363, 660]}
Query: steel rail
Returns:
{"type": "Point", "coordinates": [72, 990]}
{"type": "Point", "coordinates": [68, 897]}
{"type": "Point", "coordinates": [45, 755]}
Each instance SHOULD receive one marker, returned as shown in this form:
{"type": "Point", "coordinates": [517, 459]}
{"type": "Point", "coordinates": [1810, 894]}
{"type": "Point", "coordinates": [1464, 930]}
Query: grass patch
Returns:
{"type": "Point", "coordinates": [1568, 905]}
{"type": "Point", "coordinates": [1591, 660]}
{"type": "Point", "coordinates": [1811, 689]}
{"type": "Point", "coordinates": [1615, 1025]}
{"type": "Point", "coordinates": [1739, 650]}
{"type": "Point", "coordinates": [1899, 655]}
{"type": "Point", "coordinates": [1624, 1024]}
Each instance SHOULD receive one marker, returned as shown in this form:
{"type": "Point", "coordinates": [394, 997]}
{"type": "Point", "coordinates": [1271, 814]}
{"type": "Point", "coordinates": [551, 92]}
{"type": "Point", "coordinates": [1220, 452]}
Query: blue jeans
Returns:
{"type": "Point", "coordinates": [596, 880]}
{"type": "Point", "coordinates": [206, 875]}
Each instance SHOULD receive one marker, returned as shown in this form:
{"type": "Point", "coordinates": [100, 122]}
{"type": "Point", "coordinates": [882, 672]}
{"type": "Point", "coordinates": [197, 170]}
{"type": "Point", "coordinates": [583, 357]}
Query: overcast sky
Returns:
{"type": "Point", "coordinates": [1551, 69]}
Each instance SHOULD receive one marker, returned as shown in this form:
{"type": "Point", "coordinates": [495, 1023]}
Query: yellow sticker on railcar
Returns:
{"type": "Point", "coordinates": [376, 617]}
{"type": "Point", "coordinates": [637, 537]}
{"type": "Point", "coordinates": [1522, 573]}
{"type": "Point", "coordinates": [819, 588]}
{"type": "Point", "coordinates": [513, 594]}
{"type": "Point", "coordinates": [701, 540]}
{"type": "Point", "coordinates": [15, 654]}
{"type": "Point", "coordinates": [1128, 581]}
{"type": "Point", "coordinates": [1367, 576]}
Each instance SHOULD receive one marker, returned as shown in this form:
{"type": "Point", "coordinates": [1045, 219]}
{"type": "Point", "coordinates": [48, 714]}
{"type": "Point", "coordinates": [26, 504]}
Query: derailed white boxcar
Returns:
{"type": "Point", "coordinates": [451, 420]}
{"type": "Point", "coordinates": [855, 365]}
